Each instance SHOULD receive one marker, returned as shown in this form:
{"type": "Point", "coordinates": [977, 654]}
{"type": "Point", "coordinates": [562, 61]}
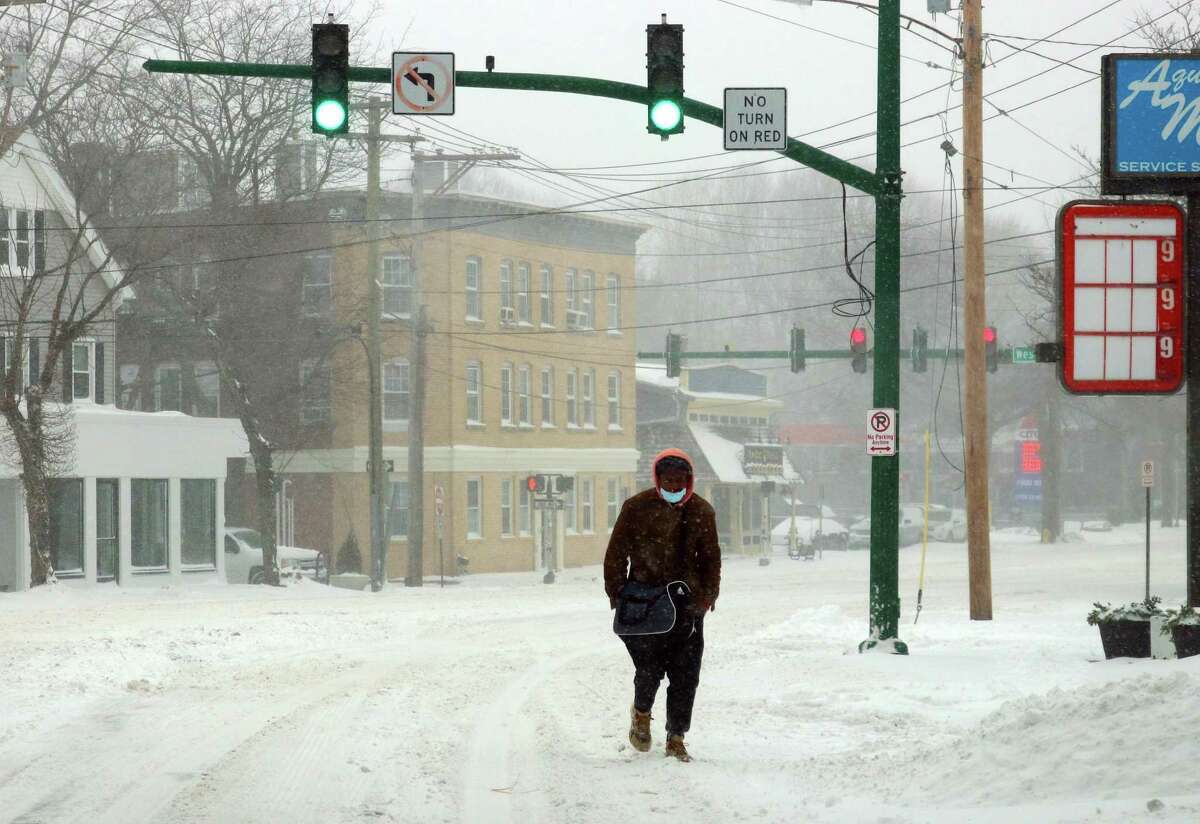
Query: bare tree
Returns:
{"type": "Point", "coordinates": [63, 287]}
{"type": "Point", "coordinates": [228, 134]}
{"type": "Point", "coordinates": [63, 47]}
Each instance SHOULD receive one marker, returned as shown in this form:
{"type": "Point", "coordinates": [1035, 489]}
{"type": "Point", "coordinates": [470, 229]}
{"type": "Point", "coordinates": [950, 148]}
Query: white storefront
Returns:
{"type": "Point", "coordinates": [143, 503]}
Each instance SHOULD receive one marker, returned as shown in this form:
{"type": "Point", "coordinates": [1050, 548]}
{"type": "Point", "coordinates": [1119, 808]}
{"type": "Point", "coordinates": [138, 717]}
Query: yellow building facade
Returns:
{"type": "Point", "coordinates": [529, 370]}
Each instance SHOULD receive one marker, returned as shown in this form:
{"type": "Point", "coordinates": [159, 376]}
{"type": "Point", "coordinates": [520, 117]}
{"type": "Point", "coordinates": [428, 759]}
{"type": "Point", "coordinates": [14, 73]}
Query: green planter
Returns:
{"type": "Point", "coordinates": [1123, 638]}
{"type": "Point", "coordinates": [1187, 640]}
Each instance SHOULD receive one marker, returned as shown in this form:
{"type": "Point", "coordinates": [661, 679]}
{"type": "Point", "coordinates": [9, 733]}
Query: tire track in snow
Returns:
{"type": "Point", "coordinates": [502, 755]}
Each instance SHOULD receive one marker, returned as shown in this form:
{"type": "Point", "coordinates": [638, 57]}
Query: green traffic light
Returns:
{"type": "Point", "coordinates": [665, 115]}
{"type": "Point", "coordinates": [330, 115]}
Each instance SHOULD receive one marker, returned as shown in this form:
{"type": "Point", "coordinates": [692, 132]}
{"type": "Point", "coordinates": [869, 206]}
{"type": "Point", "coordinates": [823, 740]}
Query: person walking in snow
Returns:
{"type": "Point", "coordinates": [664, 537]}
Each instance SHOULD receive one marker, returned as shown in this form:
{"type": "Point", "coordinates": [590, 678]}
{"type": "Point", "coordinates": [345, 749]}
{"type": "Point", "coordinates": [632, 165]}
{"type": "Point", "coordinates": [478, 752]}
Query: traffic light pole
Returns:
{"type": "Point", "coordinates": [885, 471]}
{"type": "Point", "coordinates": [884, 185]}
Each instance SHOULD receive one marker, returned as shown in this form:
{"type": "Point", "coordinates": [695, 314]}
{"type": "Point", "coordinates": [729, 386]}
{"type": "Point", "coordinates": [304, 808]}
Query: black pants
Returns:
{"type": "Point", "coordinates": [677, 654]}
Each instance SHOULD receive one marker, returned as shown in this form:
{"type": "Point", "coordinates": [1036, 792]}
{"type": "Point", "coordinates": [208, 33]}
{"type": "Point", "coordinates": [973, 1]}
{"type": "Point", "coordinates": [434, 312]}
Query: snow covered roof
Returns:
{"type": "Point", "coordinates": [725, 458]}
{"type": "Point", "coordinates": [655, 375]}
{"type": "Point", "coordinates": [121, 443]}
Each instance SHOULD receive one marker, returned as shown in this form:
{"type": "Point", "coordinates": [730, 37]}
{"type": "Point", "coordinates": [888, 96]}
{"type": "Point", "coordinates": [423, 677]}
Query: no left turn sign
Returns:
{"type": "Point", "coordinates": [422, 82]}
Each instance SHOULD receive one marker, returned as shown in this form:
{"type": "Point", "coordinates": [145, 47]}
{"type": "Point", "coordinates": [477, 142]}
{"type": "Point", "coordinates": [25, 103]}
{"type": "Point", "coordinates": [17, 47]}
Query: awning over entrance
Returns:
{"type": "Point", "coordinates": [733, 462]}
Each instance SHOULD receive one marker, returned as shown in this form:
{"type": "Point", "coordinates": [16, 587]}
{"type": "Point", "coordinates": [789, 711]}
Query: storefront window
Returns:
{"type": "Point", "coordinates": [199, 516]}
{"type": "Point", "coordinates": [148, 510]}
{"type": "Point", "coordinates": [66, 525]}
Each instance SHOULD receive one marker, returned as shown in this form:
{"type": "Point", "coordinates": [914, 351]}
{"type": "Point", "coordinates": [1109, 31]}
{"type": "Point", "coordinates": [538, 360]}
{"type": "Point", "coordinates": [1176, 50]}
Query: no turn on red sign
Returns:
{"type": "Point", "coordinates": [422, 82]}
{"type": "Point", "coordinates": [881, 432]}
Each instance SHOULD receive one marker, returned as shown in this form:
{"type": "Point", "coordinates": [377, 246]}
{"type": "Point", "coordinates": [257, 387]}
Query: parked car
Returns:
{"type": "Point", "coordinates": [912, 518]}
{"type": "Point", "coordinates": [244, 564]}
{"type": "Point", "coordinates": [947, 524]}
{"type": "Point", "coordinates": [811, 522]}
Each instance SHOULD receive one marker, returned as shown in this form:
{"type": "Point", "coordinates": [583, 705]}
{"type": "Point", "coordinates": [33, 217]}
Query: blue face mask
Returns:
{"type": "Point", "coordinates": [672, 497]}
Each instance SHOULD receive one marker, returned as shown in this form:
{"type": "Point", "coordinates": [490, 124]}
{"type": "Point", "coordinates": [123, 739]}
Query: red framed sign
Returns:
{"type": "Point", "coordinates": [1121, 297]}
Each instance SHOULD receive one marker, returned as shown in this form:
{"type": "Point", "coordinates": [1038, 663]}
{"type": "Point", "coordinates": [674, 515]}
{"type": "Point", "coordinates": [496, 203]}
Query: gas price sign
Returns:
{"type": "Point", "coordinates": [1121, 297]}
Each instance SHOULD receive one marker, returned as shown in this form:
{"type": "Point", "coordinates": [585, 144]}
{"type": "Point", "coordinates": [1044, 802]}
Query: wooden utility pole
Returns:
{"type": "Point", "coordinates": [376, 110]}
{"type": "Point", "coordinates": [979, 560]}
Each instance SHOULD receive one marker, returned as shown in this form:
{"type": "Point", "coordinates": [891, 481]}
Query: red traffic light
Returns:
{"type": "Point", "coordinates": [989, 334]}
{"type": "Point", "coordinates": [531, 483]}
{"type": "Point", "coordinates": [858, 339]}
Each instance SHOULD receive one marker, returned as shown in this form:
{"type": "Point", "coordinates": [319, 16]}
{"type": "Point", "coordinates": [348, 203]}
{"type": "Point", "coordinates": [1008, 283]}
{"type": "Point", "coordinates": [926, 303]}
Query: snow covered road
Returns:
{"type": "Point", "coordinates": [502, 699]}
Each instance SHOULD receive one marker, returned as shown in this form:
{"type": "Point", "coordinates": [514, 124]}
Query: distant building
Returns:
{"type": "Point", "coordinates": [529, 369]}
{"type": "Point", "coordinates": [721, 416]}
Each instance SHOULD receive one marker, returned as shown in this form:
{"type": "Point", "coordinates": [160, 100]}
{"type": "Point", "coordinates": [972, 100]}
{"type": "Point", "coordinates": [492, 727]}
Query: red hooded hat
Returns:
{"type": "Point", "coordinates": [691, 481]}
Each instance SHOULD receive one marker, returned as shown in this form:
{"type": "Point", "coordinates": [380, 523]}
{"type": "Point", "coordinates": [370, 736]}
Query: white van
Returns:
{"type": "Point", "coordinates": [244, 564]}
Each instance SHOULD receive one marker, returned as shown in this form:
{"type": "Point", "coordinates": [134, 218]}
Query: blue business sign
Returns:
{"type": "Point", "coordinates": [1151, 128]}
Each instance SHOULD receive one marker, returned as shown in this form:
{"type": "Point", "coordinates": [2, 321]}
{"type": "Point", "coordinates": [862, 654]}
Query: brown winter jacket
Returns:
{"type": "Point", "coordinates": [643, 547]}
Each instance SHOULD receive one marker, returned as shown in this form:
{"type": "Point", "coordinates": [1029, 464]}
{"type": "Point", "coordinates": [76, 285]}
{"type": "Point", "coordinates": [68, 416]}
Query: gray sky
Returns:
{"type": "Point", "coordinates": [828, 80]}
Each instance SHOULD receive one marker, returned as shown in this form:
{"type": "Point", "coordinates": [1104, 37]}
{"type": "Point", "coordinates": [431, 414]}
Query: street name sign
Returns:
{"type": "Point", "coordinates": [1151, 108]}
{"type": "Point", "coordinates": [881, 432]}
{"type": "Point", "coordinates": [549, 503]}
{"type": "Point", "coordinates": [422, 82]}
{"type": "Point", "coordinates": [1024, 354]}
{"type": "Point", "coordinates": [756, 119]}
{"type": "Point", "coordinates": [1120, 294]}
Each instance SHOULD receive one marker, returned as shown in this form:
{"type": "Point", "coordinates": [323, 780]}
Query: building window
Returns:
{"type": "Point", "coordinates": [569, 509]}
{"type": "Point", "coordinates": [586, 302]}
{"type": "Point", "coordinates": [395, 391]}
{"type": "Point", "coordinates": [613, 291]}
{"type": "Point", "coordinates": [149, 507]}
{"type": "Point", "coordinates": [81, 370]}
{"type": "Point", "coordinates": [474, 512]}
{"type": "Point", "coordinates": [547, 396]}
{"type": "Point", "coordinates": [198, 516]}
{"type": "Point", "coordinates": [398, 511]}
{"type": "Point", "coordinates": [506, 508]}
{"type": "Point", "coordinates": [316, 293]}
{"type": "Point", "coordinates": [614, 503]}
{"type": "Point", "coordinates": [397, 285]}
{"type": "Point", "coordinates": [474, 396]}
{"type": "Point", "coordinates": [523, 515]}
{"type": "Point", "coordinates": [572, 409]}
{"type": "Point", "coordinates": [316, 395]}
{"type": "Point", "coordinates": [207, 400]}
{"type": "Point", "coordinates": [569, 292]}
{"type": "Point", "coordinates": [471, 287]}
{"type": "Point", "coordinates": [507, 314]}
{"type": "Point", "coordinates": [614, 400]}
{"type": "Point", "coordinates": [506, 411]}
{"type": "Point", "coordinates": [585, 503]}
{"type": "Point", "coordinates": [524, 307]}
{"type": "Point", "coordinates": [524, 412]}
{"type": "Point", "coordinates": [66, 525]}
{"type": "Point", "coordinates": [589, 400]}
{"type": "Point", "coordinates": [168, 388]}
{"type": "Point", "coordinates": [546, 296]}
{"type": "Point", "coordinates": [108, 521]}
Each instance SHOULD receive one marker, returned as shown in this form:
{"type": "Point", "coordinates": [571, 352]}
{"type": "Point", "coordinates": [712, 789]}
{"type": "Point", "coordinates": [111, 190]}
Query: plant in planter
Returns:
{"type": "Point", "coordinates": [1183, 625]}
{"type": "Point", "coordinates": [1125, 630]}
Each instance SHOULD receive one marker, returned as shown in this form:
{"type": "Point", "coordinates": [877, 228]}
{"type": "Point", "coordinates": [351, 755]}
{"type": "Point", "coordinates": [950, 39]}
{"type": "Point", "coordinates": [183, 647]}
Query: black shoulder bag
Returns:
{"type": "Point", "coordinates": [644, 609]}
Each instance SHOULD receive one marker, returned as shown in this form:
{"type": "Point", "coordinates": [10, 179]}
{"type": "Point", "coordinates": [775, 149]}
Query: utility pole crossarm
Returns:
{"type": "Point", "coordinates": [816, 159]}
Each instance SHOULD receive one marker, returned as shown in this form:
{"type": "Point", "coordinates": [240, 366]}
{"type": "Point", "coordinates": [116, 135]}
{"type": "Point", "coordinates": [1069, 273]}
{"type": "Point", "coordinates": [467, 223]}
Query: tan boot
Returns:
{"type": "Point", "coordinates": [639, 730]}
{"type": "Point", "coordinates": [676, 749]}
